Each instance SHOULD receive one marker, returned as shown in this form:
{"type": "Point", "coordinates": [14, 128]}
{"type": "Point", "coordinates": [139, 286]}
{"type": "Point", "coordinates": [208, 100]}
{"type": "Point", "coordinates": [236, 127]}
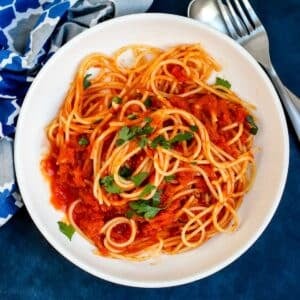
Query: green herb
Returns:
{"type": "Point", "coordinates": [143, 142]}
{"type": "Point", "coordinates": [125, 134]}
{"type": "Point", "coordinates": [120, 142]}
{"type": "Point", "coordinates": [223, 82]}
{"type": "Point", "coordinates": [180, 137]}
{"type": "Point", "coordinates": [194, 128]}
{"type": "Point", "coordinates": [110, 185]}
{"type": "Point", "coordinates": [148, 102]}
{"type": "Point", "coordinates": [160, 141]}
{"type": "Point", "coordinates": [116, 100]}
{"type": "Point", "coordinates": [193, 162]}
{"type": "Point", "coordinates": [253, 126]}
{"type": "Point", "coordinates": [143, 208]}
{"type": "Point", "coordinates": [83, 141]}
{"type": "Point", "coordinates": [147, 129]}
{"type": "Point", "coordinates": [156, 198]}
{"type": "Point", "coordinates": [169, 178]}
{"type": "Point", "coordinates": [129, 214]}
{"type": "Point", "coordinates": [67, 230]}
{"type": "Point", "coordinates": [125, 172]}
{"type": "Point", "coordinates": [139, 178]}
{"type": "Point", "coordinates": [148, 120]}
{"type": "Point", "coordinates": [86, 82]}
{"type": "Point", "coordinates": [132, 117]}
{"type": "Point", "coordinates": [147, 190]}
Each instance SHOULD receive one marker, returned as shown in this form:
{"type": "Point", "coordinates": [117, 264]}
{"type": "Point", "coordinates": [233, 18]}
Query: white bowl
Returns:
{"type": "Point", "coordinates": [248, 80]}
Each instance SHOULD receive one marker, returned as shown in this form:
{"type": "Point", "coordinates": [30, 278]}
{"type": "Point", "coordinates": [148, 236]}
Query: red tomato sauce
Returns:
{"type": "Point", "coordinates": [70, 171]}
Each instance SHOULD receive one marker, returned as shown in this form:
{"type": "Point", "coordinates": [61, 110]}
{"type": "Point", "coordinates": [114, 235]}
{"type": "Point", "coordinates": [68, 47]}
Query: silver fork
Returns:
{"type": "Point", "coordinates": [245, 27]}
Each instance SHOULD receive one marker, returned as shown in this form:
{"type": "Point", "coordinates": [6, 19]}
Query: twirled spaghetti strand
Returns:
{"type": "Point", "coordinates": [145, 156]}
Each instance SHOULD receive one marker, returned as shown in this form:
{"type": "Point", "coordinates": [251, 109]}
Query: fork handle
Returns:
{"type": "Point", "coordinates": [289, 100]}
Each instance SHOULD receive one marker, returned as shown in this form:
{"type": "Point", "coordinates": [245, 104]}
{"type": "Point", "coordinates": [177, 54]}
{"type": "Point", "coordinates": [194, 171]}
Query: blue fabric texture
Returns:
{"type": "Point", "coordinates": [31, 269]}
{"type": "Point", "coordinates": [30, 32]}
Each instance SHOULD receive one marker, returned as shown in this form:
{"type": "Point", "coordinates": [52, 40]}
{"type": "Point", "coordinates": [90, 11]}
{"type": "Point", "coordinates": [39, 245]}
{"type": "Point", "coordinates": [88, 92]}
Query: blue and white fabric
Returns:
{"type": "Point", "coordinates": [30, 32]}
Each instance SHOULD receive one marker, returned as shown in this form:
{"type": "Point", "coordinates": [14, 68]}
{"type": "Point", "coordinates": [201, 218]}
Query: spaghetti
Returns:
{"type": "Point", "coordinates": [145, 156]}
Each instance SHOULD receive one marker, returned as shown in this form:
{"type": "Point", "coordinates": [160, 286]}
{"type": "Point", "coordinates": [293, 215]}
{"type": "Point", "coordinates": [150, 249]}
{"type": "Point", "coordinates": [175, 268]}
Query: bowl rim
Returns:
{"type": "Point", "coordinates": [167, 283]}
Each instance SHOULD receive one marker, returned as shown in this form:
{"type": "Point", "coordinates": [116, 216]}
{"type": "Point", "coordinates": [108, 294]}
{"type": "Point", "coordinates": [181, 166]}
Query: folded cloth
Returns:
{"type": "Point", "coordinates": [30, 32]}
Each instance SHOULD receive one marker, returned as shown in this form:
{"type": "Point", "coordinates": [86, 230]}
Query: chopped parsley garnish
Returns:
{"type": "Point", "coordinates": [147, 129]}
{"type": "Point", "coordinates": [147, 190]}
{"type": "Point", "coordinates": [194, 128]}
{"type": "Point", "coordinates": [252, 125]}
{"type": "Point", "coordinates": [223, 82]}
{"type": "Point", "coordinates": [110, 185]}
{"type": "Point", "coordinates": [148, 102]}
{"type": "Point", "coordinates": [83, 141]}
{"type": "Point", "coordinates": [144, 208]}
{"type": "Point", "coordinates": [125, 172]}
{"type": "Point", "coordinates": [127, 133]}
{"type": "Point", "coordinates": [129, 214]}
{"type": "Point", "coordinates": [156, 198]}
{"type": "Point", "coordinates": [86, 82]}
{"type": "Point", "coordinates": [117, 100]}
{"type": "Point", "coordinates": [67, 229]}
{"type": "Point", "coordinates": [180, 137]}
{"type": "Point", "coordinates": [148, 120]}
{"type": "Point", "coordinates": [160, 141]}
{"type": "Point", "coordinates": [139, 178]}
{"type": "Point", "coordinates": [169, 178]}
{"type": "Point", "coordinates": [143, 142]}
{"type": "Point", "coordinates": [132, 117]}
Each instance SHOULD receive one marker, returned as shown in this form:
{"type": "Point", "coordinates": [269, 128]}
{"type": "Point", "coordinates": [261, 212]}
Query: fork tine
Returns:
{"type": "Point", "coordinates": [253, 16]}
{"type": "Point", "coordinates": [227, 20]}
{"type": "Point", "coordinates": [236, 20]}
{"type": "Point", "coordinates": [243, 16]}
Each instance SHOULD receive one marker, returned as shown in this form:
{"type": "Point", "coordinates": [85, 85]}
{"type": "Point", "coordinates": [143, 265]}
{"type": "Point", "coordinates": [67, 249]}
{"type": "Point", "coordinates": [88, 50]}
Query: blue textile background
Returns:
{"type": "Point", "coordinates": [31, 269]}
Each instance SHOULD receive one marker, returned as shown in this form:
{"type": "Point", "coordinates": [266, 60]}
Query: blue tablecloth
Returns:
{"type": "Point", "coordinates": [31, 269]}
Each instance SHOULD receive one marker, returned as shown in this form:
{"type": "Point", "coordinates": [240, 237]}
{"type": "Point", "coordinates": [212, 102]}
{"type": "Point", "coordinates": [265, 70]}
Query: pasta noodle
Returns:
{"type": "Point", "coordinates": [145, 156]}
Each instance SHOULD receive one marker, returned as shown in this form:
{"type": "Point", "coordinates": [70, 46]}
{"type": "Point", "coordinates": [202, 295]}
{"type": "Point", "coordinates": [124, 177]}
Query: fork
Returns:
{"type": "Point", "coordinates": [245, 27]}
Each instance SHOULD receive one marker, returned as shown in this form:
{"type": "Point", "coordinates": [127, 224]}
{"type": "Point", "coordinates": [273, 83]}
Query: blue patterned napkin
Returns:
{"type": "Point", "coordinates": [30, 32]}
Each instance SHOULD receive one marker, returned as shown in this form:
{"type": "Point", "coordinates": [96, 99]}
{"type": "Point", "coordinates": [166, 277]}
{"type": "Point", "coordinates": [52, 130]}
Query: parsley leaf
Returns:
{"type": "Point", "coordinates": [160, 141]}
{"type": "Point", "coordinates": [67, 229]}
{"type": "Point", "coordinates": [147, 190]}
{"type": "Point", "coordinates": [132, 117]}
{"type": "Point", "coordinates": [125, 172]}
{"type": "Point", "coordinates": [117, 100]}
{"type": "Point", "coordinates": [223, 82]}
{"type": "Point", "coordinates": [110, 185]}
{"type": "Point", "coordinates": [151, 212]}
{"type": "Point", "coordinates": [86, 82]}
{"type": "Point", "coordinates": [169, 178]}
{"type": "Point", "coordinates": [143, 142]}
{"type": "Point", "coordinates": [143, 208]}
{"type": "Point", "coordinates": [83, 141]}
{"type": "Point", "coordinates": [139, 178]}
{"type": "Point", "coordinates": [180, 137]}
{"type": "Point", "coordinates": [156, 198]}
{"type": "Point", "coordinates": [194, 128]}
{"type": "Point", "coordinates": [252, 125]}
{"type": "Point", "coordinates": [120, 142]}
{"type": "Point", "coordinates": [148, 102]}
{"type": "Point", "coordinates": [129, 214]}
{"type": "Point", "coordinates": [147, 129]}
{"type": "Point", "coordinates": [125, 134]}
{"type": "Point", "coordinates": [148, 120]}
